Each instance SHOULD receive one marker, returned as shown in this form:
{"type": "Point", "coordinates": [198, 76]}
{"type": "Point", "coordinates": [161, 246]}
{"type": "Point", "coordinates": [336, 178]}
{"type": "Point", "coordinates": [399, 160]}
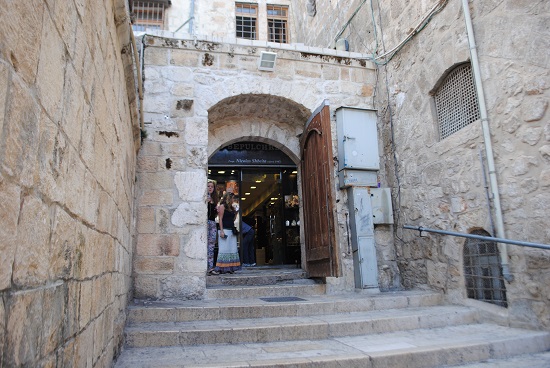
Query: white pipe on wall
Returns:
{"type": "Point", "coordinates": [191, 16]}
{"type": "Point", "coordinates": [499, 223]}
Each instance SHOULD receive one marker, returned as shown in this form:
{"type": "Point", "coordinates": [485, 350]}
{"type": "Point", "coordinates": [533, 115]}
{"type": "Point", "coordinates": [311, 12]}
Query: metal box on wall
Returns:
{"type": "Point", "coordinates": [353, 178]}
{"type": "Point", "coordinates": [382, 211]}
{"type": "Point", "coordinates": [365, 264]}
{"type": "Point", "coordinates": [357, 139]}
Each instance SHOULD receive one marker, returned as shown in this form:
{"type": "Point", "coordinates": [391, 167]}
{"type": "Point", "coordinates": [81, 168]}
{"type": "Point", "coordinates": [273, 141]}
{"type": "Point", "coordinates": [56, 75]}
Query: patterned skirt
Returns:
{"type": "Point", "coordinates": [228, 254]}
{"type": "Point", "coordinates": [211, 243]}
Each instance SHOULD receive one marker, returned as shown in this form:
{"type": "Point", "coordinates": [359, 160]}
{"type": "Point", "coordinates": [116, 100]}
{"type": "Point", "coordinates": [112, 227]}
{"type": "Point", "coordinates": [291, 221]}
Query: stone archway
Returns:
{"type": "Point", "coordinates": [257, 117]}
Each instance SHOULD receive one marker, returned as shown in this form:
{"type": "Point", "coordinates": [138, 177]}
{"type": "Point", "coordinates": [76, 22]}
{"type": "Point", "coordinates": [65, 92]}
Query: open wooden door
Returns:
{"type": "Point", "coordinates": [321, 251]}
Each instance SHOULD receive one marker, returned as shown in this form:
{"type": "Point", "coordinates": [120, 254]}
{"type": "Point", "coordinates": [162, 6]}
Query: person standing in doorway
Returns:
{"type": "Point", "coordinates": [249, 252]}
{"type": "Point", "coordinates": [228, 254]}
{"type": "Point", "coordinates": [212, 204]}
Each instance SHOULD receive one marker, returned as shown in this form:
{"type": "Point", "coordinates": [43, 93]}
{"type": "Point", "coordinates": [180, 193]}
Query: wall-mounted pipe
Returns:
{"type": "Point", "coordinates": [191, 16]}
{"type": "Point", "coordinates": [479, 237]}
{"type": "Point", "coordinates": [139, 80]}
{"type": "Point", "coordinates": [499, 223]}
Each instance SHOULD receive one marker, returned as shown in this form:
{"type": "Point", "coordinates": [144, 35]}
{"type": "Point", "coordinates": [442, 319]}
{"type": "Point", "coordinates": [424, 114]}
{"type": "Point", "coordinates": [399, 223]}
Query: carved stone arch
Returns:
{"type": "Point", "coordinates": [275, 120]}
{"type": "Point", "coordinates": [260, 106]}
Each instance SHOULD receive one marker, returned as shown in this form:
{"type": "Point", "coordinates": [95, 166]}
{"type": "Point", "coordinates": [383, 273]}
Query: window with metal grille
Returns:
{"type": "Point", "coordinates": [483, 272]}
{"type": "Point", "coordinates": [247, 15]}
{"type": "Point", "coordinates": [456, 101]}
{"type": "Point", "coordinates": [277, 23]}
{"type": "Point", "coordinates": [148, 14]}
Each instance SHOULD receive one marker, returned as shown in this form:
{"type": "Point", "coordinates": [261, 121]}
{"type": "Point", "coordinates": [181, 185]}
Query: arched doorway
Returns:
{"type": "Point", "coordinates": [265, 181]}
{"type": "Point", "coordinates": [283, 124]}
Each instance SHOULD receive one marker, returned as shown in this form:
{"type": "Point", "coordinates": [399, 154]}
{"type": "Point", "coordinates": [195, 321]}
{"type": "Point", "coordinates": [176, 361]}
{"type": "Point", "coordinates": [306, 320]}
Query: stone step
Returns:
{"type": "Point", "coordinates": [256, 276]}
{"type": "Point", "coordinates": [312, 305]}
{"type": "Point", "coordinates": [419, 348]}
{"type": "Point", "coordinates": [540, 360]}
{"type": "Point", "coordinates": [234, 292]}
{"type": "Point", "coordinates": [255, 330]}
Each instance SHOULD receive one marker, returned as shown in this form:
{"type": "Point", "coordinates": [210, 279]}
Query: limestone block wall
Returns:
{"type": "Point", "coordinates": [331, 17]}
{"type": "Point", "coordinates": [202, 95]}
{"type": "Point", "coordinates": [439, 183]}
{"type": "Point", "coordinates": [67, 158]}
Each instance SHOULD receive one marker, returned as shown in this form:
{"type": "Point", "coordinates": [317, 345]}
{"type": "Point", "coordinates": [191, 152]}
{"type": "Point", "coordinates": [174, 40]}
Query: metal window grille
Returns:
{"type": "Point", "coordinates": [483, 272]}
{"type": "Point", "coordinates": [246, 16]}
{"type": "Point", "coordinates": [277, 23]}
{"type": "Point", "coordinates": [456, 101]}
{"type": "Point", "coordinates": [148, 15]}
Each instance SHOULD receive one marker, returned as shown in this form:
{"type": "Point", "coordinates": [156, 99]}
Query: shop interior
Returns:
{"type": "Point", "coordinates": [269, 203]}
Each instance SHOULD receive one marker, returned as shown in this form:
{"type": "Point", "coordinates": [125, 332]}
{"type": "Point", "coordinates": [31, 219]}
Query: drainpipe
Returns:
{"type": "Point", "coordinates": [191, 16]}
{"type": "Point", "coordinates": [499, 223]}
{"type": "Point", "coordinates": [139, 80]}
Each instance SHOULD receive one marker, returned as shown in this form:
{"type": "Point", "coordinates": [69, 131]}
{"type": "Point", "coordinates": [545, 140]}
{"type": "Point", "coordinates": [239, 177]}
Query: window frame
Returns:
{"type": "Point", "coordinates": [251, 17]}
{"type": "Point", "coordinates": [462, 107]}
{"type": "Point", "coordinates": [274, 31]}
{"type": "Point", "coordinates": [155, 10]}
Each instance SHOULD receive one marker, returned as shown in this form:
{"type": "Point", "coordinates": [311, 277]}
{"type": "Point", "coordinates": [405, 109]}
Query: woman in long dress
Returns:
{"type": "Point", "coordinates": [228, 254]}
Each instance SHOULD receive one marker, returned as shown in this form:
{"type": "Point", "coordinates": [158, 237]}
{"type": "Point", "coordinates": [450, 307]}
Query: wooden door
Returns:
{"type": "Point", "coordinates": [317, 166]}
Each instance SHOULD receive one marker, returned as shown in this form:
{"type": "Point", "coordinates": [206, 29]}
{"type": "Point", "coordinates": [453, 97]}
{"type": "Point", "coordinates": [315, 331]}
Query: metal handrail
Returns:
{"type": "Point", "coordinates": [472, 236]}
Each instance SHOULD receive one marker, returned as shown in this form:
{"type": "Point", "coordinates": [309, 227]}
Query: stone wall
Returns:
{"type": "Point", "coordinates": [203, 95]}
{"type": "Point", "coordinates": [439, 183]}
{"type": "Point", "coordinates": [67, 158]}
{"type": "Point", "coordinates": [331, 17]}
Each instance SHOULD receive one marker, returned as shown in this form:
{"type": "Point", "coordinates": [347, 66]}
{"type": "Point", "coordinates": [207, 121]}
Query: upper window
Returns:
{"type": "Point", "coordinates": [149, 14]}
{"type": "Point", "coordinates": [456, 101]}
{"type": "Point", "coordinates": [277, 23]}
{"type": "Point", "coordinates": [247, 16]}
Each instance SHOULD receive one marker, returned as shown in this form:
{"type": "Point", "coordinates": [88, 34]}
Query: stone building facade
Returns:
{"type": "Point", "coordinates": [439, 183]}
{"type": "Point", "coordinates": [436, 183]}
{"type": "Point", "coordinates": [88, 222]}
{"type": "Point", "coordinates": [69, 134]}
{"type": "Point", "coordinates": [202, 96]}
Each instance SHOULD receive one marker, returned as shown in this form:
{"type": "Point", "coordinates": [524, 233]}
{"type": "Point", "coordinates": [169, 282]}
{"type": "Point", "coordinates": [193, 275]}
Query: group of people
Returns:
{"type": "Point", "coordinates": [225, 232]}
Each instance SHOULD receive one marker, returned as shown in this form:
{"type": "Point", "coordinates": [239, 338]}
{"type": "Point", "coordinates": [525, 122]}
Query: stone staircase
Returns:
{"type": "Point", "coordinates": [281, 319]}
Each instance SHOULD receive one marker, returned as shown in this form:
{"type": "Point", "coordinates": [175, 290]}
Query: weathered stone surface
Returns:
{"type": "Point", "coordinates": [147, 286]}
{"type": "Point", "coordinates": [4, 84]}
{"type": "Point", "coordinates": [191, 185]}
{"type": "Point", "coordinates": [22, 44]}
{"type": "Point", "coordinates": [32, 256]}
{"type": "Point", "coordinates": [24, 314]}
{"type": "Point", "coordinates": [189, 214]}
{"type": "Point", "coordinates": [192, 244]}
{"type": "Point", "coordinates": [2, 327]}
{"type": "Point", "coordinates": [184, 287]}
{"type": "Point", "coordinates": [53, 311]}
{"type": "Point", "coordinates": [50, 77]}
{"type": "Point", "coordinates": [21, 135]}
{"type": "Point", "coordinates": [544, 179]}
{"type": "Point", "coordinates": [156, 197]}
{"type": "Point", "coordinates": [66, 180]}
{"type": "Point", "coordinates": [146, 220]}
{"type": "Point", "coordinates": [9, 213]}
{"type": "Point", "coordinates": [63, 242]}
{"type": "Point", "coordinates": [155, 265]}
{"type": "Point", "coordinates": [533, 109]}
{"type": "Point", "coordinates": [545, 152]}
{"type": "Point", "coordinates": [158, 245]}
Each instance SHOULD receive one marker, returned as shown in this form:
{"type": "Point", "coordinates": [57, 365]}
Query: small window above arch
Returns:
{"type": "Point", "coordinates": [456, 101]}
